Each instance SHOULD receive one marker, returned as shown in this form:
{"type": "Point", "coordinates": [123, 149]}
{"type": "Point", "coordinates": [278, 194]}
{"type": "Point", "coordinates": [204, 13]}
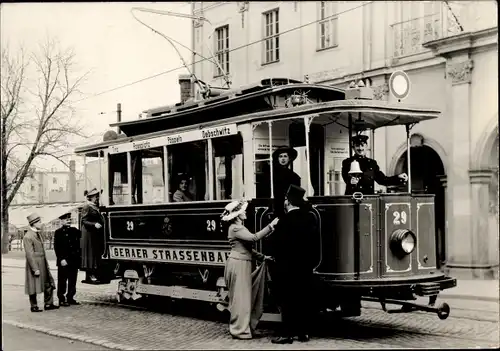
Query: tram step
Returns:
{"type": "Point", "coordinates": [96, 282]}
{"type": "Point", "coordinates": [427, 289]}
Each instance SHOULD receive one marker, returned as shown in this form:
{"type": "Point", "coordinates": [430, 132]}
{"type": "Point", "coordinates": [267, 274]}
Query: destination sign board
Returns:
{"type": "Point", "coordinates": [169, 255]}
{"type": "Point", "coordinates": [185, 137]}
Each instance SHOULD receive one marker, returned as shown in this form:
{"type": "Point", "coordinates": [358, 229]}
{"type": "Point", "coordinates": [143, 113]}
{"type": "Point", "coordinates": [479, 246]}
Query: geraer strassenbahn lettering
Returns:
{"type": "Point", "coordinates": [218, 257]}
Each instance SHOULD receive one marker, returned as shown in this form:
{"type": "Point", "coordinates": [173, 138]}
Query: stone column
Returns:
{"type": "Point", "coordinates": [458, 73]}
{"type": "Point", "coordinates": [480, 244]}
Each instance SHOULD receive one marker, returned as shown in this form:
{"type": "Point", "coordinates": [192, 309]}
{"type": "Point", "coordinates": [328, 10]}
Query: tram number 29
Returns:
{"type": "Point", "coordinates": [211, 225]}
{"type": "Point", "coordinates": [399, 217]}
{"type": "Point", "coordinates": [130, 226]}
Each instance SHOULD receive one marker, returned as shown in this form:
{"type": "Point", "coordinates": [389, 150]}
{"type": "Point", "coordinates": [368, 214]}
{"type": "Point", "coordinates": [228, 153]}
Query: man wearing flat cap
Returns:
{"type": "Point", "coordinates": [67, 250]}
{"type": "Point", "coordinates": [38, 276]}
{"type": "Point", "coordinates": [293, 268]}
{"type": "Point", "coordinates": [283, 176]}
{"type": "Point", "coordinates": [370, 172]}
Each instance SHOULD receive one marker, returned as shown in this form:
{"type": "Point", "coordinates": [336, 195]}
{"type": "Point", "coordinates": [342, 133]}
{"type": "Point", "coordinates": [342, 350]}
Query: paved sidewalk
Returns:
{"type": "Point", "coordinates": [483, 290]}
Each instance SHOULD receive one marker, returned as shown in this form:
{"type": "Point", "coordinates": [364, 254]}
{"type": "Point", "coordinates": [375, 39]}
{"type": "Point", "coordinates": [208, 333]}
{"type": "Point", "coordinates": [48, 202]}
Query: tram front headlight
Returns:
{"type": "Point", "coordinates": [403, 242]}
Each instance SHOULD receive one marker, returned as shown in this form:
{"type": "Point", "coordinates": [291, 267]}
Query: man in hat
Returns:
{"type": "Point", "coordinates": [92, 240]}
{"type": "Point", "coordinates": [292, 273]}
{"type": "Point", "coordinates": [67, 250]}
{"type": "Point", "coordinates": [38, 276]}
{"type": "Point", "coordinates": [283, 176]}
{"type": "Point", "coordinates": [370, 171]}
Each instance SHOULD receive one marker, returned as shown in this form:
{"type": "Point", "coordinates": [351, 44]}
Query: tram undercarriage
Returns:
{"type": "Point", "coordinates": [340, 297]}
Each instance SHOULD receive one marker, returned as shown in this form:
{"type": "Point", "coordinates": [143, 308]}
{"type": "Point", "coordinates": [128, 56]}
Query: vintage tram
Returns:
{"type": "Point", "coordinates": [378, 247]}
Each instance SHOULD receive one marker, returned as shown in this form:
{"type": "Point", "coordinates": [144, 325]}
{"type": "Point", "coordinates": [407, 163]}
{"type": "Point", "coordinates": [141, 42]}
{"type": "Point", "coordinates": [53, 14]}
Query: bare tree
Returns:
{"type": "Point", "coordinates": [37, 115]}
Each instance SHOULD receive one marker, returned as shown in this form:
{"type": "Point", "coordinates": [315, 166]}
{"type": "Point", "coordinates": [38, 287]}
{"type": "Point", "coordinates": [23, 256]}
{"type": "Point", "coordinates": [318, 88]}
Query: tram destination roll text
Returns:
{"type": "Point", "coordinates": [169, 255]}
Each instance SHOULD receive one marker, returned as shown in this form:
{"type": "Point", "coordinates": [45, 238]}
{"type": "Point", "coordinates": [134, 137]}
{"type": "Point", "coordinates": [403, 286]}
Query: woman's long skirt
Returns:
{"type": "Point", "coordinates": [246, 296]}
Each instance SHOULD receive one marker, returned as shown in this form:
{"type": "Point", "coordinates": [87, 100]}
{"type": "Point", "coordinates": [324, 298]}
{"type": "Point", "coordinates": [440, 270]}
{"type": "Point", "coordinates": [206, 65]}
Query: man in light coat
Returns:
{"type": "Point", "coordinates": [38, 276]}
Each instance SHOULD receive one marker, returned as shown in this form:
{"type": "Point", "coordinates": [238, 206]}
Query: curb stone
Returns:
{"type": "Point", "coordinates": [89, 340]}
{"type": "Point", "coordinates": [469, 297]}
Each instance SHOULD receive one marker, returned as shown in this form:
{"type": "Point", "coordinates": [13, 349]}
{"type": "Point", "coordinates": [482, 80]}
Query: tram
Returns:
{"type": "Point", "coordinates": [218, 149]}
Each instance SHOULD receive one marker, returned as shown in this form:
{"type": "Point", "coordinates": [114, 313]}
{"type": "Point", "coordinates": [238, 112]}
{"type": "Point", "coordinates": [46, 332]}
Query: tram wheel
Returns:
{"type": "Point", "coordinates": [443, 311]}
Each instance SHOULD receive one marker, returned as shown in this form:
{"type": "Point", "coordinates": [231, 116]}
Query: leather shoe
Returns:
{"type": "Point", "coordinates": [64, 303]}
{"type": "Point", "coordinates": [303, 338]}
{"type": "Point", "coordinates": [282, 340]}
{"type": "Point", "coordinates": [36, 309]}
{"type": "Point", "coordinates": [73, 302]}
{"type": "Point", "coordinates": [50, 307]}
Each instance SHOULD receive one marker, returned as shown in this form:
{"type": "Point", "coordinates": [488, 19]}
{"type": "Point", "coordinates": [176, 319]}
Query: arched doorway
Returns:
{"type": "Point", "coordinates": [427, 169]}
{"type": "Point", "coordinates": [493, 204]}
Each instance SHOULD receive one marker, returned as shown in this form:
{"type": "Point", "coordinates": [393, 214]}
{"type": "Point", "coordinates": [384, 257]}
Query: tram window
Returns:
{"type": "Point", "coordinates": [148, 176]}
{"type": "Point", "coordinates": [335, 183]}
{"type": "Point", "coordinates": [281, 137]}
{"type": "Point", "coordinates": [188, 167]}
{"type": "Point", "coordinates": [228, 167]}
{"type": "Point", "coordinates": [117, 179]}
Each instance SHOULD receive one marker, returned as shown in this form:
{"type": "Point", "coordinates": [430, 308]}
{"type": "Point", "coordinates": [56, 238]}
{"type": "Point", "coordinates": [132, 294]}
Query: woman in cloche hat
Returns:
{"type": "Point", "coordinates": [238, 272]}
{"type": "Point", "coordinates": [283, 176]}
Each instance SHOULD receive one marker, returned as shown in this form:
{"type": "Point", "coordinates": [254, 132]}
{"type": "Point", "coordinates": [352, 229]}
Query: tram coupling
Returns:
{"type": "Point", "coordinates": [442, 311]}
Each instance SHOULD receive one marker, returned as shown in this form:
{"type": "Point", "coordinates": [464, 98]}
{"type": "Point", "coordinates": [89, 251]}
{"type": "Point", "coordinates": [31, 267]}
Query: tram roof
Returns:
{"type": "Point", "coordinates": [229, 104]}
{"type": "Point", "coordinates": [375, 114]}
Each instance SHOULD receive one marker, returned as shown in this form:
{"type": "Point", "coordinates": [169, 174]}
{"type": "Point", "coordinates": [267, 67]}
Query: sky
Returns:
{"type": "Point", "coordinates": [113, 46]}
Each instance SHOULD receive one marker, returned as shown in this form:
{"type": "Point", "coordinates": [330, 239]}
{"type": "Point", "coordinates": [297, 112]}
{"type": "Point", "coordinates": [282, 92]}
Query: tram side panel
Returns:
{"type": "Point", "coordinates": [425, 258]}
{"type": "Point", "coordinates": [169, 245]}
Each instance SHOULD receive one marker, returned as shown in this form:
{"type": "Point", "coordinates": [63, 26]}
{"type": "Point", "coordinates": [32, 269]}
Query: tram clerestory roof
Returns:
{"type": "Point", "coordinates": [374, 114]}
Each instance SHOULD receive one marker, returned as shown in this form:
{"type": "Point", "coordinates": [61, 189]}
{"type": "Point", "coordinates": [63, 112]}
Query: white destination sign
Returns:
{"type": "Point", "coordinates": [178, 138]}
{"type": "Point", "coordinates": [169, 255]}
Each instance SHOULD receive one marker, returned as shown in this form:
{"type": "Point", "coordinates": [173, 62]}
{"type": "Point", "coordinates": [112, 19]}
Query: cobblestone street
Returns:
{"type": "Point", "coordinates": [100, 320]}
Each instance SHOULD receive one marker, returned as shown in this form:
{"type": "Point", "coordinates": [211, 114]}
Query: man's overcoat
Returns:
{"type": "Point", "coordinates": [36, 260]}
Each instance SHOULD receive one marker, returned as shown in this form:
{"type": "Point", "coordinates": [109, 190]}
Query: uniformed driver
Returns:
{"type": "Point", "coordinates": [364, 182]}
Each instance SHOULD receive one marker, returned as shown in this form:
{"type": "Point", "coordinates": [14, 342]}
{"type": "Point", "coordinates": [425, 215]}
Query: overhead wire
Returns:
{"type": "Point", "coordinates": [231, 50]}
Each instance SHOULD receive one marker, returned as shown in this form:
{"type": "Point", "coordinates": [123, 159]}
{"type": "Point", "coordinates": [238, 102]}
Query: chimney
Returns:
{"type": "Point", "coordinates": [72, 181]}
{"type": "Point", "coordinates": [185, 84]}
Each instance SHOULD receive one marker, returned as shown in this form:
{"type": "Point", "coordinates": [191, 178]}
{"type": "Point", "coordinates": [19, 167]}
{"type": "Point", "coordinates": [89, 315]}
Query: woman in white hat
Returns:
{"type": "Point", "coordinates": [238, 272]}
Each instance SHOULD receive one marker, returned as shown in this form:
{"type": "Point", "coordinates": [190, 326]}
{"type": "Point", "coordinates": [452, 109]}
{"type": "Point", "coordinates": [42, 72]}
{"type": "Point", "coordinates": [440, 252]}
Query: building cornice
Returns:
{"type": "Point", "coordinates": [348, 77]}
{"type": "Point", "coordinates": [463, 42]}
{"type": "Point", "coordinates": [217, 4]}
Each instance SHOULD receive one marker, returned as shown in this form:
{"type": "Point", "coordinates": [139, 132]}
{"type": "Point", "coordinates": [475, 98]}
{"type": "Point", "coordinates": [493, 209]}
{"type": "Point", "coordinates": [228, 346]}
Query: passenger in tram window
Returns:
{"type": "Point", "coordinates": [371, 172]}
{"type": "Point", "coordinates": [293, 268]}
{"type": "Point", "coordinates": [283, 176]}
{"type": "Point", "coordinates": [182, 193]}
{"type": "Point", "coordinates": [92, 241]}
{"type": "Point", "coordinates": [246, 297]}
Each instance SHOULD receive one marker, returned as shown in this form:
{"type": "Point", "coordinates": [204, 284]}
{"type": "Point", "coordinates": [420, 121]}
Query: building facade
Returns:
{"type": "Point", "coordinates": [449, 51]}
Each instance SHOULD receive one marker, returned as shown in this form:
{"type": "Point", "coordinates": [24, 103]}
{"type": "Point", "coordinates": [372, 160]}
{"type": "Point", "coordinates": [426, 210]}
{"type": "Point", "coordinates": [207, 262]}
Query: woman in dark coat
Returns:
{"type": "Point", "coordinates": [283, 176]}
{"type": "Point", "coordinates": [92, 242]}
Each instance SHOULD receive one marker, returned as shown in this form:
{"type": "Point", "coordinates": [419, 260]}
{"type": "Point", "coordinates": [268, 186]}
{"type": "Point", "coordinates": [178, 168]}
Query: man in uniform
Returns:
{"type": "Point", "coordinates": [67, 250]}
{"type": "Point", "coordinates": [371, 172]}
{"type": "Point", "coordinates": [292, 277]}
